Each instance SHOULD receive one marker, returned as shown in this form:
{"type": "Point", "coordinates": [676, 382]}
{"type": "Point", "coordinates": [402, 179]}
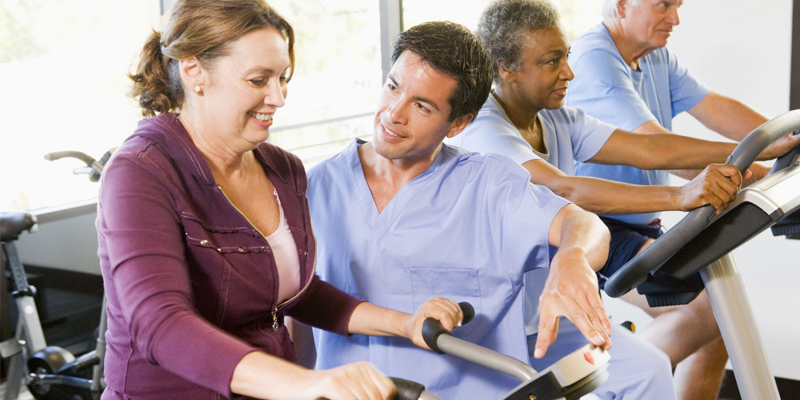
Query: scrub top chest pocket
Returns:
{"type": "Point", "coordinates": [456, 284]}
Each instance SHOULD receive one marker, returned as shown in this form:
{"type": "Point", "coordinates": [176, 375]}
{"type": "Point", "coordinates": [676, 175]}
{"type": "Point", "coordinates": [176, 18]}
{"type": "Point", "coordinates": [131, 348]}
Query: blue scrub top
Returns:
{"type": "Point", "coordinates": [466, 229]}
{"type": "Point", "coordinates": [609, 90]}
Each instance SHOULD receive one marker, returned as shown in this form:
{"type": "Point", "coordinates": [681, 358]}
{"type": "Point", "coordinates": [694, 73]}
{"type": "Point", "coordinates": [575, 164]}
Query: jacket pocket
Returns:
{"type": "Point", "coordinates": [456, 284]}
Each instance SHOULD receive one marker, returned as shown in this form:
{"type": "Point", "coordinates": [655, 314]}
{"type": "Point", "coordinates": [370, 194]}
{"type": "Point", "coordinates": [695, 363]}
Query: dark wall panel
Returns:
{"type": "Point", "coordinates": [794, 90]}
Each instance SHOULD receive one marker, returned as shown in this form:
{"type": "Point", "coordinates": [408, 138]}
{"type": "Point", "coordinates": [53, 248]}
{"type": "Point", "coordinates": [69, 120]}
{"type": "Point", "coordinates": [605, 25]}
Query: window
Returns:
{"type": "Point", "coordinates": [62, 74]}
{"type": "Point", "coordinates": [332, 95]}
{"type": "Point", "coordinates": [576, 15]}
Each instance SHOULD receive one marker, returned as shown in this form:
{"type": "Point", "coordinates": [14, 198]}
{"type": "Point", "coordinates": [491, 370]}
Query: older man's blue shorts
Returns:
{"type": "Point", "coordinates": [626, 241]}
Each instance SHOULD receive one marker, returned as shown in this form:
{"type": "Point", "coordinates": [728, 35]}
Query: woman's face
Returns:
{"type": "Point", "coordinates": [544, 73]}
{"type": "Point", "coordinates": [242, 90]}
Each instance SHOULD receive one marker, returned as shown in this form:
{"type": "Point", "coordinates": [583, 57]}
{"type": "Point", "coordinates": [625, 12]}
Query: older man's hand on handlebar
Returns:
{"type": "Point", "coordinates": [780, 147]}
{"type": "Point", "coordinates": [571, 290]}
{"type": "Point", "coordinates": [717, 185]}
{"type": "Point", "coordinates": [447, 312]}
{"type": "Point", "coordinates": [757, 173]}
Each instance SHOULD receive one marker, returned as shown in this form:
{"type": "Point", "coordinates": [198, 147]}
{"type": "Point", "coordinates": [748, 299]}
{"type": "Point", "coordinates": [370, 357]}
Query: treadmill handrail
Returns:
{"type": "Point", "coordinates": [651, 259]}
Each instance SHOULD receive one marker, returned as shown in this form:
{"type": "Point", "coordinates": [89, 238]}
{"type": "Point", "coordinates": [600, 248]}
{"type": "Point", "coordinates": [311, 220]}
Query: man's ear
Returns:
{"type": "Point", "coordinates": [505, 74]}
{"type": "Point", "coordinates": [621, 5]}
{"type": "Point", "coordinates": [459, 124]}
{"type": "Point", "coordinates": [192, 73]}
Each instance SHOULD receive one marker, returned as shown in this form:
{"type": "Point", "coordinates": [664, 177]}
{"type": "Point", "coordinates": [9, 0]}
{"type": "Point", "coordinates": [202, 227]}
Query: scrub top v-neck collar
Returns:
{"type": "Point", "coordinates": [381, 221]}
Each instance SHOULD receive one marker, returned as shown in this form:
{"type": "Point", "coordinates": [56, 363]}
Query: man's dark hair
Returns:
{"type": "Point", "coordinates": [453, 50]}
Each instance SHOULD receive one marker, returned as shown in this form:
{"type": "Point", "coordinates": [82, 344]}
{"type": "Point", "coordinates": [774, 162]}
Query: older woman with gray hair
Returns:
{"type": "Point", "coordinates": [625, 56]}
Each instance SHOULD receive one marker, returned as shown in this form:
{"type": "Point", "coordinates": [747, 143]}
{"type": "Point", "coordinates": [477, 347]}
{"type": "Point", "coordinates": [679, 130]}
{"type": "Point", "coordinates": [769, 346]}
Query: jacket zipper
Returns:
{"type": "Point", "coordinates": [277, 307]}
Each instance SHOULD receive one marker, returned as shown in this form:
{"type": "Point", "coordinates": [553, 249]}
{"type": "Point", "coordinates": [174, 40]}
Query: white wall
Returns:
{"type": "Point", "coordinates": [742, 49]}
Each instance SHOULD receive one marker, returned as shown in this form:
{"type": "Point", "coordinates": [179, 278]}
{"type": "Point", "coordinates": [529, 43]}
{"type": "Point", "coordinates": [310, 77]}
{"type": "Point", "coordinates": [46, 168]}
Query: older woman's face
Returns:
{"type": "Point", "coordinates": [544, 74]}
{"type": "Point", "coordinates": [244, 89]}
{"type": "Point", "coordinates": [650, 22]}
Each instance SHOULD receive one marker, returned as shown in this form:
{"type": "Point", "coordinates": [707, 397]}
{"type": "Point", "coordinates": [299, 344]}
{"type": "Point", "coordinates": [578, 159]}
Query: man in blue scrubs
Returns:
{"type": "Point", "coordinates": [625, 76]}
{"type": "Point", "coordinates": [404, 218]}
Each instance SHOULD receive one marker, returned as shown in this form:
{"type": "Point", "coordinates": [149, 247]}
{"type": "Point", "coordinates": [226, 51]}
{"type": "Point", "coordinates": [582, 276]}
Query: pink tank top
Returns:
{"type": "Point", "coordinates": [285, 252]}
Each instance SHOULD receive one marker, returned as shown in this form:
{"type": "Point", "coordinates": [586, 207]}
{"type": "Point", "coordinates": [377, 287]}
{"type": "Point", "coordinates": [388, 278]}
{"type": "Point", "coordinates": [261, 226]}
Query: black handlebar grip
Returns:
{"type": "Point", "coordinates": [406, 390]}
{"type": "Point", "coordinates": [468, 311]}
{"type": "Point", "coordinates": [432, 329]}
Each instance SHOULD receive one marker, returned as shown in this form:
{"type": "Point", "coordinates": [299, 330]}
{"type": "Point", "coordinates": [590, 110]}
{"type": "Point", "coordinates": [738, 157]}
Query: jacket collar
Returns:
{"type": "Point", "coordinates": [168, 131]}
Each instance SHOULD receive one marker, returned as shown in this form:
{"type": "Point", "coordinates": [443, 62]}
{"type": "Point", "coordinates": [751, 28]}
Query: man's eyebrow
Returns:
{"type": "Point", "coordinates": [427, 101]}
{"type": "Point", "coordinates": [417, 98]}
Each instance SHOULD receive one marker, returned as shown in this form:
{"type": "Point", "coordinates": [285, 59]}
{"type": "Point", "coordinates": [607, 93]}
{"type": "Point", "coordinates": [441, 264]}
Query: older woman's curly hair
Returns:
{"type": "Point", "coordinates": [504, 24]}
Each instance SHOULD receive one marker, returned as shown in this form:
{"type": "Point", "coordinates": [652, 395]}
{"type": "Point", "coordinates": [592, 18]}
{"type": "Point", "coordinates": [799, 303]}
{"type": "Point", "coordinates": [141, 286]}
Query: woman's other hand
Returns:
{"type": "Point", "coordinates": [264, 376]}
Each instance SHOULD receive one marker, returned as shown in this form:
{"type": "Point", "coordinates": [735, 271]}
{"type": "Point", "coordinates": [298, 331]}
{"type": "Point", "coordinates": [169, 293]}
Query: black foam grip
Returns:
{"type": "Point", "coordinates": [468, 311]}
{"type": "Point", "coordinates": [432, 329]}
{"type": "Point", "coordinates": [407, 390]}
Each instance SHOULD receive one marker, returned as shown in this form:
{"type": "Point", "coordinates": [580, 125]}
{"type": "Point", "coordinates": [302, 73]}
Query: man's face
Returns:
{"type": "Point", "coordinates": [544, 73]}
{"type": "Point", "coordinates": [413, 111]}
{"type": "Point", "coordinates": [650, 22]}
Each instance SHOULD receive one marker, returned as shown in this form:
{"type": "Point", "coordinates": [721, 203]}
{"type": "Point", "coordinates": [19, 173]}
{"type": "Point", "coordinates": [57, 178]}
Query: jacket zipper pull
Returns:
{"type": "Point", "coordinates": [275, 319]}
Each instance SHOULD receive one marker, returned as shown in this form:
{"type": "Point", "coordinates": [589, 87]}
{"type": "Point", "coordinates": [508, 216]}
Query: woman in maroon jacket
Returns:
{"type": "Point", "coordinates": [205, 237]}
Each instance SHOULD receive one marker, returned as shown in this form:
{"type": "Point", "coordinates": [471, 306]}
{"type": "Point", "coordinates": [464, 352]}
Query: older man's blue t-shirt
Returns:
{"type": "Point", "coordinates": [609, 90]}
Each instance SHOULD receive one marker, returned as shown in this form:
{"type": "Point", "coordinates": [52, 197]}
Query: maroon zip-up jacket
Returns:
{"type": "Point", "coordinates": [192, 286]}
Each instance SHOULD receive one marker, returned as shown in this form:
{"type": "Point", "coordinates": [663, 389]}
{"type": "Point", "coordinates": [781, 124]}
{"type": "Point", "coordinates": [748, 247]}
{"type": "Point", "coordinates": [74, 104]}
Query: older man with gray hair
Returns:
{"type": "Point", "coordinates": [625, 76]}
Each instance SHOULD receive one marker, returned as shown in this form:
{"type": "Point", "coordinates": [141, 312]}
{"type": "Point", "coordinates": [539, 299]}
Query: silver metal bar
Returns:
{"type": "Point", "coordinates": [739, 331]}
{"type": "Point", "coordinates": [16, 367]}
{"type": "Point", "coordinates": [98, 371]}
{"type": "Point", "coordinates": [391, 26]}
{"type": "Point", "coordinates": [16, 372]}
{"type": "Point", "coordinates": [485, 357]}
{"type": "Point", "coordinates": [425, 395]}
{"type": "Point", "coordinates": [34, 335]}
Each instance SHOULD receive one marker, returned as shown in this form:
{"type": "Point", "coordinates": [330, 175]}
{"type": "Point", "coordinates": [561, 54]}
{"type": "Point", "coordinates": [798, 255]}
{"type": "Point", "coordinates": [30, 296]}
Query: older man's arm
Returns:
{"type": "Point", "coordinates": [726, 116]}
{"type": "Point", "coordinates": [571, 289]}
{"type": "Point", "coordinates": [758, 171]}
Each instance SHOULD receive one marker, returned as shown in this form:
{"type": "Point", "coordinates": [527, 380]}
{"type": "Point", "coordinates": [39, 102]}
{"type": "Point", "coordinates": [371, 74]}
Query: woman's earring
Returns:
{"type": "Point", "coordinates": [197, 89]}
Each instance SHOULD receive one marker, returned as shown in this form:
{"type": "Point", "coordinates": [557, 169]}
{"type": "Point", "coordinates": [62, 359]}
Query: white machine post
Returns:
{"type": "Point", "coordinates": [739, 330]}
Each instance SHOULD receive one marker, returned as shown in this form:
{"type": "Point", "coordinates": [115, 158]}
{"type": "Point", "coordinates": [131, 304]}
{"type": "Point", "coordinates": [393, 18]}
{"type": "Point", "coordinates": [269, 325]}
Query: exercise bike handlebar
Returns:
{"type": "Point", "coordinates": [440, 341]}
{"type": "Point", "coordinates": [432, 329]}
{"type": "Point", "coordinates": [57, 155]}
{"type": "Point", "coordinates": [635, 272]}
{"type": "Point", "coordinates": [94, 168]}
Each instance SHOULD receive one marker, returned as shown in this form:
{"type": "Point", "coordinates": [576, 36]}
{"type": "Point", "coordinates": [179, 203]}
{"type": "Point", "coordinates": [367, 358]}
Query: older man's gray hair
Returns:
{"type": "Point", "coordinates": [503, 26]}
{"type": "Point", "coordinates": [610, 7]}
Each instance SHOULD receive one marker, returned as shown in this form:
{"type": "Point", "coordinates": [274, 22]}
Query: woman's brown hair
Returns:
{"type": "Point", "coordinates": [202, 29]}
